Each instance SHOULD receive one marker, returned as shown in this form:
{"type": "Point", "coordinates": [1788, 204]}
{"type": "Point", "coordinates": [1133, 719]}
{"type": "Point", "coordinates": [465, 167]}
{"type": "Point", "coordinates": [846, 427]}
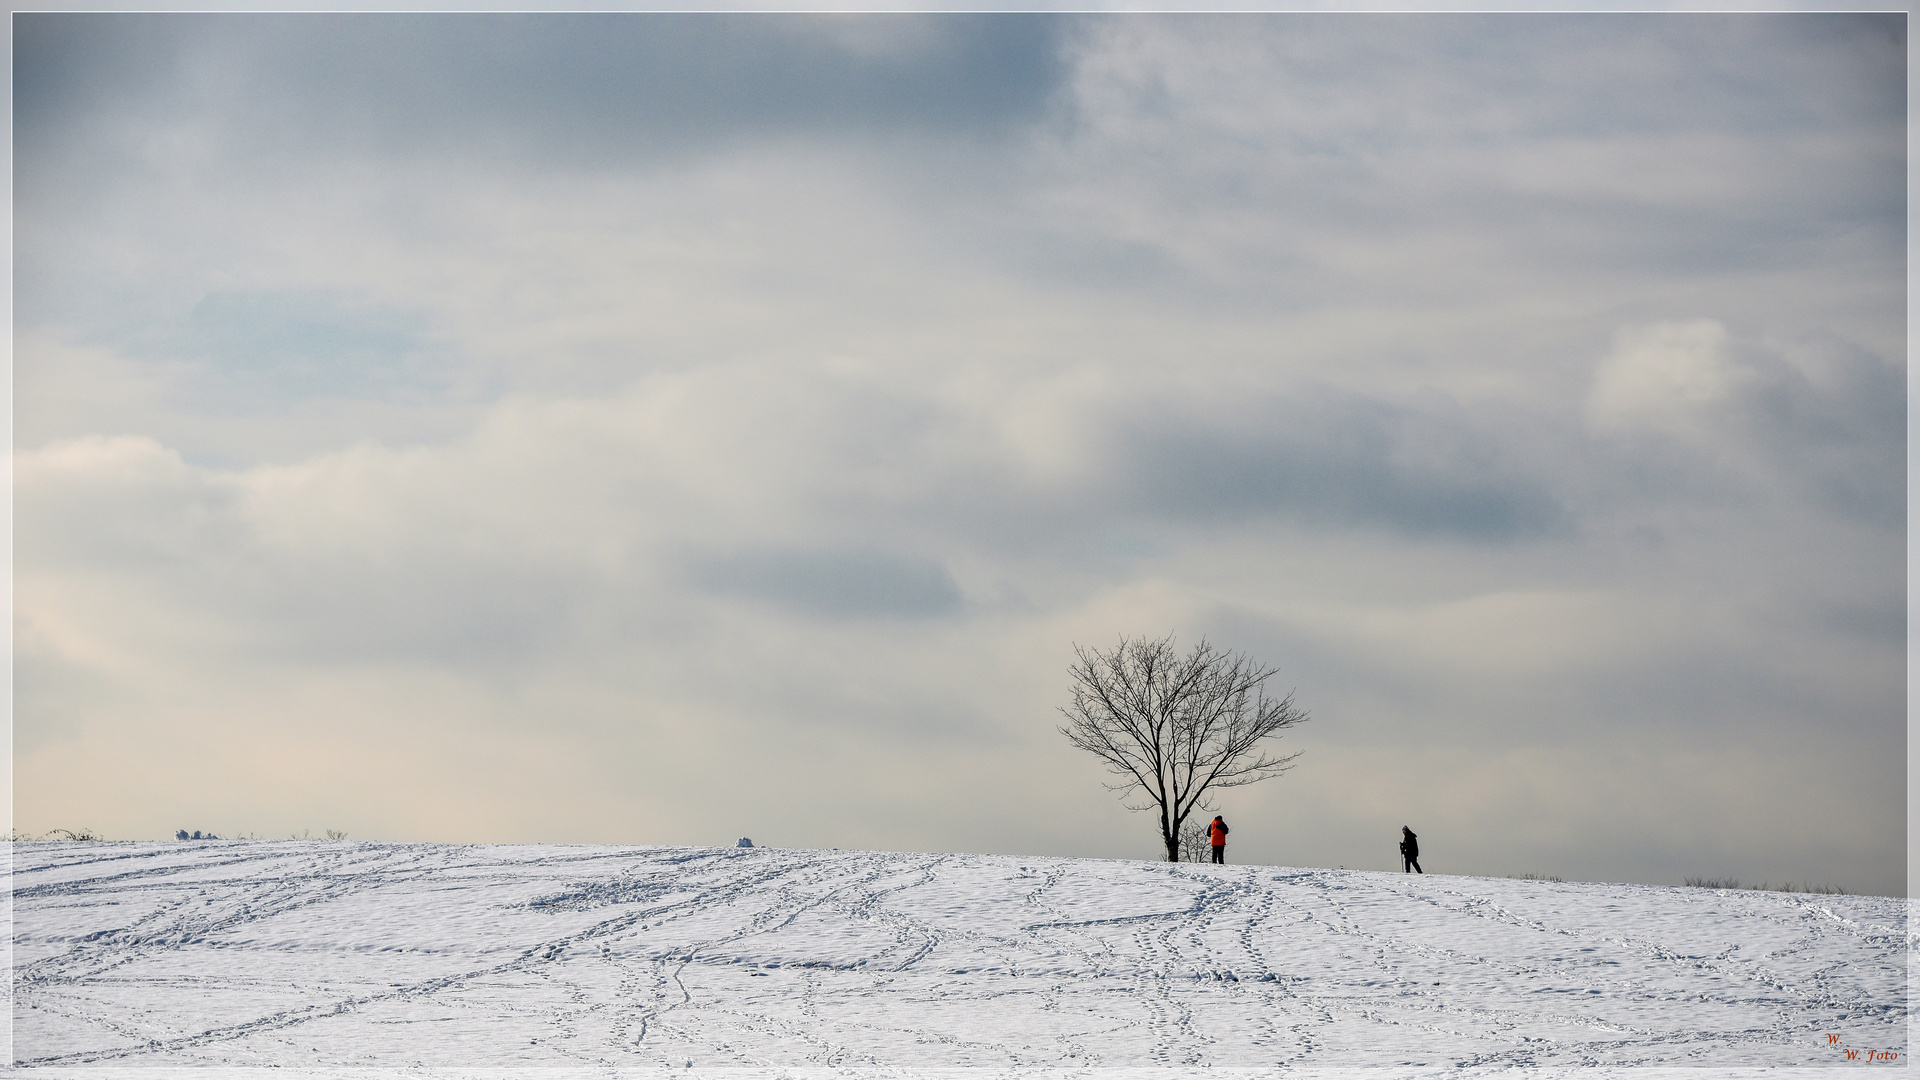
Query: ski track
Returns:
{"type": "Point", "coordinates": [311, 953]}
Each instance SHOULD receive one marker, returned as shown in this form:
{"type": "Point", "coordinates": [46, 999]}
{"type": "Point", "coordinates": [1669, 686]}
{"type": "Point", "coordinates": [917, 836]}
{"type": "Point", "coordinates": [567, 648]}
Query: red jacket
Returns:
{"type": "Point", "coordinates": [1217, 833]}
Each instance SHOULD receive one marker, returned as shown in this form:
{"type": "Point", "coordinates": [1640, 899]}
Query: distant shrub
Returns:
{"type": "Point", "coordinates": [15, 836]}
{"type": "Point", "coordinates": [73, 834]}
{"type": "Point", "coordinates": [196, 834]}
{"type": "Point", "coordinates": [1713, 883]}
{"type": "Point", "coordinates": [1536, 877]}
{"type": "Point", "coordinates": [1731, 883]}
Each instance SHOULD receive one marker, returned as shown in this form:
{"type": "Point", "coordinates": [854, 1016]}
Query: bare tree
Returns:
{"type": "Point", "coordinates": [1176, 728]}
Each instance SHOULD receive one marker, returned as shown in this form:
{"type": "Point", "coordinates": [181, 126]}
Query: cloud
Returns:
{"type": "Point", "coordinates": [1334, 458]}
{"type": "Point", "coordinates": [1662, 375]}
{"type": "Point", "coordinates": [1704, 407]}
{"type": "Point", "coordinates": [527, 90]}
{"type": "Point", "coordinates": [114, 500]}
{"type": "Point", "coordinates": [634, 427]}
{"type": "Point", "coordinates": [836, 584]}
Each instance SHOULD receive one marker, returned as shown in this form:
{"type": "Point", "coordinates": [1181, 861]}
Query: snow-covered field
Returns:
{"type": "Point", "coordinates": [443, 957]}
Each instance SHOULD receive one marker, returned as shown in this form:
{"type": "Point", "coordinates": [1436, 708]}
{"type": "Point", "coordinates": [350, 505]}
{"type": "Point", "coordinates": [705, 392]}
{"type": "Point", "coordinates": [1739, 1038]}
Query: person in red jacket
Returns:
{"type": "Point", "coordinates": [1217, 836]}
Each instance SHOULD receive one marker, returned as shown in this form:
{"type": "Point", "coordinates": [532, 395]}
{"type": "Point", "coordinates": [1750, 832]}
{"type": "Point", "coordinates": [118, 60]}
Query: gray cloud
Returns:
{"type": "Point", "coordinates": [530, 88]}
{"type": "Point", "coordinates": [1333, 458]}
{"type": "Point", "coordinates": [1621, 144]}
{"type": "Point", "coordinates": [832, 584]}
{"type": "Point", "coordinates": [615, 428]}
{"type": "Point", "coordinates": [1844, 431]}
{"type": "Point", "coordinates": [1714, 417]}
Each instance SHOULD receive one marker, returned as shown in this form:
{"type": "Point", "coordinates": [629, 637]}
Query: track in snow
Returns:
{"type": "Point", "coordinates": [309, 953]}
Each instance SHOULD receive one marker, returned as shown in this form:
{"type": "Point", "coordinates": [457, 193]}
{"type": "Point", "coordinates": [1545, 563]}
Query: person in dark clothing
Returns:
{"type": "Point", "coordinates": [1217, 836]}
{"type": "Point", "coordinates": [1409, 851]}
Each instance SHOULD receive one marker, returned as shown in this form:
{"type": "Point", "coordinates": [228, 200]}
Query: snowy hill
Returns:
{"type": "Point", "coordinates": [308, 953]}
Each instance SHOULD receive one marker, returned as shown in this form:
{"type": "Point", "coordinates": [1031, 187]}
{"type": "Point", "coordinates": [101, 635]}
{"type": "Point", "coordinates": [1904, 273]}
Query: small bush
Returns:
{"type": "Point", "coordinates": [73, 834]}
{"type": "Point", "coordinates": [1790, 887]}
{"type": "Point", "coordinates": [1536, 877]}
{"type": "Point", "coordinates": [17, 837]}
{"type": "Point", "coordinates": [1803, 887]}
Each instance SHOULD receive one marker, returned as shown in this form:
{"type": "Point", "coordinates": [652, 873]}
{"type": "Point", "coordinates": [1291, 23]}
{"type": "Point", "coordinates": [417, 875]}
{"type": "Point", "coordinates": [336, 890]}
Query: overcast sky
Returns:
{"type": "Point", "coordinates": [672, 428]}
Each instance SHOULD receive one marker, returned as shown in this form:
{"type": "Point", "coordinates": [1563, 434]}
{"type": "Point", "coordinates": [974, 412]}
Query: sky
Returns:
{"type": "Point", "coordinates": [663, 429]}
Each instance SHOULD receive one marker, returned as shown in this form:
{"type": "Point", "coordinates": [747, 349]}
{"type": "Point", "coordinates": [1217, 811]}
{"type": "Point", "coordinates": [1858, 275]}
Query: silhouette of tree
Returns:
{"type": "Point", "coordinates": [1176, 728]}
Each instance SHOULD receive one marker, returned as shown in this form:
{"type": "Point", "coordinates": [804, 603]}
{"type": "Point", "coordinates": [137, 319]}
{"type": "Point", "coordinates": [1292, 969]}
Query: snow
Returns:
{"type": "Point", "coordinates": [316, 955]}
